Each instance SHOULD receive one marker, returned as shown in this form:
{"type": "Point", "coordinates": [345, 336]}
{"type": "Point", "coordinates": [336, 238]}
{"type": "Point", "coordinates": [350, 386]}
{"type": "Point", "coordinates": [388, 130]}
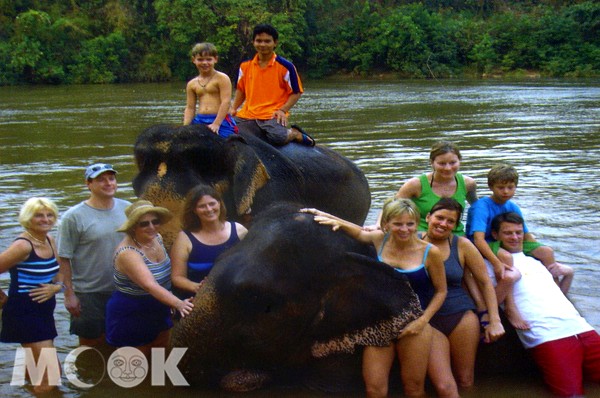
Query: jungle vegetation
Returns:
{"type": "Point", "coordinates": [115, 41]}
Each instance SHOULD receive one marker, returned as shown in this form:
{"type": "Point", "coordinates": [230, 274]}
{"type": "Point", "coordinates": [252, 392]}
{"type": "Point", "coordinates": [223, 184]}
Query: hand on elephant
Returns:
{"type": "Point", "coordinates": [214, 127]}
{"type": "Point", "coordinates": [198, 285]}
{"type": "Point", "coordinates": [184, 307]}
{"type": "Point", "coordinates": [324, 220]}
{"type": "Point", "coordinates": [322, 217]}
{"type": "Point", "coordinates": [414, 328]}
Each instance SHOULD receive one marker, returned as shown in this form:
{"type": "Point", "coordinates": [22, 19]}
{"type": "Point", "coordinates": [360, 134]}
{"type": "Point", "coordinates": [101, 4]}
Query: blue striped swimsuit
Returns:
{"type": "Point", "coordinates": [32, 272]}
{"type": "Point", "coordinates": [24, 320]}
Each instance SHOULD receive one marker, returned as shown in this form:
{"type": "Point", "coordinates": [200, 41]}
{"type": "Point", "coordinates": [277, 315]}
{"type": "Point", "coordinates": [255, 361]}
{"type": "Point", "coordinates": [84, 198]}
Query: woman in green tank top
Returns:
{"type": "Point", "coordinates": [444, 181]}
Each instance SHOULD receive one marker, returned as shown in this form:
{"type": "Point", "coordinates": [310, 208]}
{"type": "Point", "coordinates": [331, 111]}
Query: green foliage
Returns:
{"type": "Point", "coordinates": [106, 41]}
{"type": "Point", "coordinates": [100, 60]}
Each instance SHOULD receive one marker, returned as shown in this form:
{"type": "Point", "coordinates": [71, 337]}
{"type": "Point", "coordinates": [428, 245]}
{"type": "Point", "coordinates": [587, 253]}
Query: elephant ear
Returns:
{"type": "Point", "coordinates": [369, 306]}
{"type": "Point", "coordinates": [249, 174]}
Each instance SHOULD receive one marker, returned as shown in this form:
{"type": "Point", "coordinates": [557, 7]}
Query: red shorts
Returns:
{"type": "Point", "coordinates": [566, 362]}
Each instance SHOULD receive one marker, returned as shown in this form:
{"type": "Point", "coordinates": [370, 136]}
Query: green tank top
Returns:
{"type": "Point", "coordinates": [428, 198]}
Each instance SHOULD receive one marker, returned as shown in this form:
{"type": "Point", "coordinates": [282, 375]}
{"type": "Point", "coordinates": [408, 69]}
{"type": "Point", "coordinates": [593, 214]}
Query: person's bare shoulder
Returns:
{"type": "Point", "coordinates": [410, 189]}
{"type": "Point", "coordinates": [222, 78]}
{"type": "Point", "coordinates": [470, 183]}
{"type": "Point", "coordinates": [192, 85]}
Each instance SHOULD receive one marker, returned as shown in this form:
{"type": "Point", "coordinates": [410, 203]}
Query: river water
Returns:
{"type": "Point", "coordinates": [548, 129]}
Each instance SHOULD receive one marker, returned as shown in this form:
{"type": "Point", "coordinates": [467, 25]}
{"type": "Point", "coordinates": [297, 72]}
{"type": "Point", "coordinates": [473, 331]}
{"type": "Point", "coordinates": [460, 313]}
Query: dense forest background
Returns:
{"type": "Point", "coordinates": [113, 41]}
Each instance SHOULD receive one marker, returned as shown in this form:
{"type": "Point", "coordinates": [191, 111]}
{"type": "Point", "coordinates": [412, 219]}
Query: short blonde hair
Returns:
{"type": "Point", "coordinates": [204, 49]}
{"type": "Point", "coordinates": [34, 205]}
{"type": "Point", "coordinates": [394, 207]}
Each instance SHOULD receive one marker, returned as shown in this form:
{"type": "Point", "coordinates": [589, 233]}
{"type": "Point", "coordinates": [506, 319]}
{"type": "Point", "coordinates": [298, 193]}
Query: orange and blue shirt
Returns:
{"type": "Point", "coordinates": [267, 89]}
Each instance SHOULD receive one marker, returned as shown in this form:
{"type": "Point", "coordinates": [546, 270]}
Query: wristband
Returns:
{"type": "Point", "coordinates": [63, 287]}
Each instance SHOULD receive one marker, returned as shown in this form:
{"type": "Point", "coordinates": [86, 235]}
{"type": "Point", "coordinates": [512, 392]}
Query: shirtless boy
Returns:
{"type": "Point", "coordinates": [211, 90]}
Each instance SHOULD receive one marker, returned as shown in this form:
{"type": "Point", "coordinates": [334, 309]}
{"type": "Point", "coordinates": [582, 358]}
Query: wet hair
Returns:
{"type": "Point", "coordinates": [442, 148]}
{"type": "Point", "coordinates": [189, 218]}
{"type": "Point", "coordinates": [502, 173]}
{"type": "Point", "coordinates": [34, 205]}
{"type": "Point", "coordinates": [448, 204]}
{"type": "Point", "coordinates": [265, 28]}
{"type": "Point", "coordinates": [510, 217]}
{"type": "Point", "coordinates": [394, 207]}
{"type": "Point", "coordinates": [204, 49]}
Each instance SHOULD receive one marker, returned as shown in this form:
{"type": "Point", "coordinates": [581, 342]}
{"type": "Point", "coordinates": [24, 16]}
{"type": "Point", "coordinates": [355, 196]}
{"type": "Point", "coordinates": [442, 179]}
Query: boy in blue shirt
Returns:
{"type": "Point", "coordinates": [502, 181]}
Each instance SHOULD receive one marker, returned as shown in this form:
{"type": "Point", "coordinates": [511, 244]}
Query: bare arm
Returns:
{"type": "Point", "coordinates": [281, 114]}
{"type": "Point", "coordinates": [563, 275]}
{"type": "Point", "coordinates": [72, 303]}
{"type": "Point", "coordinates": [131, 264]}
{"type": "Point", "coordinates": [486, 252]}
{"type": "Point", "coordinates": [238, 100]}
{"type": "Point", "coordinates": [475, 266]}
{"type": "Point", "coordinates": [241, 231]}
{"type": "Point", "coordinates": [410, 189]}
{"type": "Point", "coordinates": [435, 268]}
{"type": "Point", "coordinates": [351, 229]}
{"type": "Point", "coordinates": [471, 187]}
{"type": "Point", "coordinates": [18, 251]}
{"type": "Point", "coordinates": [225, 95]}
{"type": "Point", "coordinates": [190, 106]}
{"type": "Point", "coordinates": [180, 252]}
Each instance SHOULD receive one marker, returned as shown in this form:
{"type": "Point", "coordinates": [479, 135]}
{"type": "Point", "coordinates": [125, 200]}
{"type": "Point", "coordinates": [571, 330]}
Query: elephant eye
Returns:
{"type": "Point", "coordinates": [250, 301]}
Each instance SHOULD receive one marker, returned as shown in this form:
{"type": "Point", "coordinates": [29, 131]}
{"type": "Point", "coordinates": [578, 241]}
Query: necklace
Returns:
{"type": "Point", "coordinates": [149, 246]}
{"type": "Point", "coordinates": [207, 81]}
{"type": "Point", "coordinates": [36, 240]}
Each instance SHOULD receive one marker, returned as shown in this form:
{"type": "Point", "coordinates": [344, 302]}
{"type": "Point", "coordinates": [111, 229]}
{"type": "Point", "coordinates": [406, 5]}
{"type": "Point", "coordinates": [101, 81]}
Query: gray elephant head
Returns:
{"type": "Point", "coordinates": [286, 301]}
{"type": "Point", "coordinates": [250, 173]}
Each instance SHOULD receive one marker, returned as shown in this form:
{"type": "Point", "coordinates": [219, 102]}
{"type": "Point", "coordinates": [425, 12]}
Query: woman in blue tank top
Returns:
{"type": "Point", "coordinates": [205, 235]}
{"type": "Point", "coordinates": [456, 329]}
{"type": "Point", "coordinates": [28, 312]}
{"type": "Point", "coordinates": [398, 245]}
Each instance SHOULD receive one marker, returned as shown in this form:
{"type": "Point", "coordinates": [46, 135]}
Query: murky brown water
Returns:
{"type": "Point", "coordinates": [549, 130]}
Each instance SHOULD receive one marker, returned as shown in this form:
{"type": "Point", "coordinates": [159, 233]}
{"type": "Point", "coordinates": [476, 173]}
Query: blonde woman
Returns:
{"type": "Point", "coordinates": [397, 244]}
{"type": "Point", "coordinates": [28, 315]}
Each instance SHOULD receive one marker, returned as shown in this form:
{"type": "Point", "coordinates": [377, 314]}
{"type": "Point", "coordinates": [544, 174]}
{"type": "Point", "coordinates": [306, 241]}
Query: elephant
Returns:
{"type": "Point", "coordinates": [250, 173]}
{"type": "Point", "coordinates": [292, 303]}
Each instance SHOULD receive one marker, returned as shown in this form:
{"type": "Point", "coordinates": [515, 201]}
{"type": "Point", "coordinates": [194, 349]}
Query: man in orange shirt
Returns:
{"type": "Point", "coordinates": [268, 86]}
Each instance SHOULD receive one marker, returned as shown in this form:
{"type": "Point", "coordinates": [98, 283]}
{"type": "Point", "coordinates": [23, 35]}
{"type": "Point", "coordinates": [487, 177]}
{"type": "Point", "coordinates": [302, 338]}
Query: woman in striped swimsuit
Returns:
{"type": "Point", "coordinates": [138, 313]}
{"type": "Point", "coordinates": [28, 314]}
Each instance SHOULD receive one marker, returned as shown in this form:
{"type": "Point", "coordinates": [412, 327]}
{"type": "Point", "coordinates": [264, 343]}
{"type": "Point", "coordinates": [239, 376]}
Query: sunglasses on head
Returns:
{"type": "Point", "coordinates": [101, 167]}
{"type": "Point", "coordinates": [144, 224]}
